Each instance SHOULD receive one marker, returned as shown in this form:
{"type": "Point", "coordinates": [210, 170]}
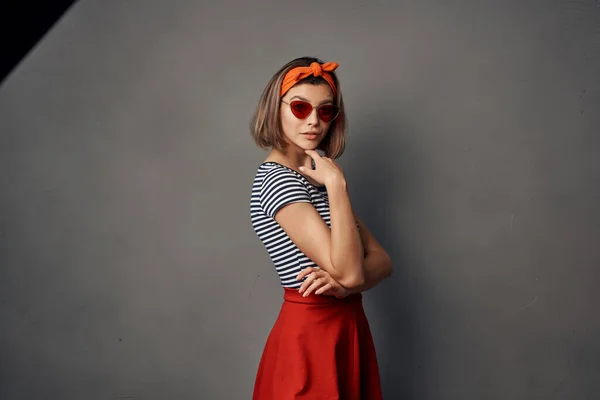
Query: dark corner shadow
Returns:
{"type": "Point", "coordinates": [34, 22]}
{"type": "Point", "coordinates": [380, 176]}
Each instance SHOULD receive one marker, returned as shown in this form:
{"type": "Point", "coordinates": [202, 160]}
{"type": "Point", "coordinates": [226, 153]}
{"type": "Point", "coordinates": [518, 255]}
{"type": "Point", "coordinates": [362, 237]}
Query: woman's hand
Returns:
{"type": "Point", "coordinates": [326, 170]}
{"type": "Point", "coordinates": [320, 282]}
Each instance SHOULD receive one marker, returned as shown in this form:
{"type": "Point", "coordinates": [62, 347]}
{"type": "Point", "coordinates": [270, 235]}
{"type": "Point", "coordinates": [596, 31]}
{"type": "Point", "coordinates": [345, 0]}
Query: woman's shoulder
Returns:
{"type": "Point", "coordinates": [277, 175]}
{"type": "Point", "coordinates": [273, 171]}
{"type": "Point", "coordinates": [277, 170]}
{"type": "Point", "coordinates": [279, 185]}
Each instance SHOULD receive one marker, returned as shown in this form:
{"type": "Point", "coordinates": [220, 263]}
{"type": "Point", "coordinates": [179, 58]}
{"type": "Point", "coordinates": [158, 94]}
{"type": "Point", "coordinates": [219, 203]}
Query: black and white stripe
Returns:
{"type": "Point", "coordinates": [274, 186]}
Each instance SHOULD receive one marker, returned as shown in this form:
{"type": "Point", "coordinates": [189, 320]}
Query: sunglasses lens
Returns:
{"type": "Point", "coordinates": [328, 112]}
{"type": "Point", "coordinates": [300, 109]}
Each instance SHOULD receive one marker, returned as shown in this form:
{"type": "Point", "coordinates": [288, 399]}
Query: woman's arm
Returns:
{"type": "Point", "coordinates": [338, 250]}
{"type": "Point", "coordinates": [346, 243]}
{"type": "Point", "coordinates": [377, 264]}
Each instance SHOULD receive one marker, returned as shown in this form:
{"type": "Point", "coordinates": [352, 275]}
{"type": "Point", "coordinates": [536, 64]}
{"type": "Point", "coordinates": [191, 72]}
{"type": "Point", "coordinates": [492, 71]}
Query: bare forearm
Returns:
{"type": "Point", "coordinates": [346, 246]}
{"type": "Point", "coordinates": [377, 266]}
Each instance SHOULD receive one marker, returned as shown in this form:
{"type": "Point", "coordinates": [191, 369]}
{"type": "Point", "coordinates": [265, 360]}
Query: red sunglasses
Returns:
{"type": "Point", "coordinates": [302, 109]}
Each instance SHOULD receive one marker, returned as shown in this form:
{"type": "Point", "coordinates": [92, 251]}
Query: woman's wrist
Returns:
{"type": "Point", "coordinates": [336, 182]}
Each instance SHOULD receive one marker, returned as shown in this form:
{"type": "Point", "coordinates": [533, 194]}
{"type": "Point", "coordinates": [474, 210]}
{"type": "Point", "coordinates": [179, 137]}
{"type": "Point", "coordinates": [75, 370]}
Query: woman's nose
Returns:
{"type": "Point", "coordinates": [313, 117]}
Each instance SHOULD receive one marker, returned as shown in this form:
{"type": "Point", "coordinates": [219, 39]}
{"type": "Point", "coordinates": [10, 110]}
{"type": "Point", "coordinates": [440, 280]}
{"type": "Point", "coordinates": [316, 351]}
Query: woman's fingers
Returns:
{"type": "Point", "coordinates": [317, 281]}
{"type": "Point", "coordinates": [305, 272]}
{"type": "Point", "coordinates": [324, 288]}
{"type": "Point", "coordinates": [314, 285]}
{"type": "Point", "coordinates": [309, 280]}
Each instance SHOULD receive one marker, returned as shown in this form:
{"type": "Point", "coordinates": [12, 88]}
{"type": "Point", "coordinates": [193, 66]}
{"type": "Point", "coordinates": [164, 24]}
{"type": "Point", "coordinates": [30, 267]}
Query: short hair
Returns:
{"type": "Point", "coordinates": [266, 128]}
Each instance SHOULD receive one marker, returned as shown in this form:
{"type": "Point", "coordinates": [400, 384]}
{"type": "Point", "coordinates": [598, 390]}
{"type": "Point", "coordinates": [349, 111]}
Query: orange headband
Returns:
{"type": "Point", "coordinates": [295, 75]}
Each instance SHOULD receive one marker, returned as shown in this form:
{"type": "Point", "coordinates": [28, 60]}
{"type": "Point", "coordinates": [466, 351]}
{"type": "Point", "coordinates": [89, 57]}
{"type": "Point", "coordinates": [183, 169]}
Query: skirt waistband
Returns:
{"type": "Point", "coordinates": [293, 296]}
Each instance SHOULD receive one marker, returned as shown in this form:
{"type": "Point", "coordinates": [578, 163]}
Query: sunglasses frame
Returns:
{"type": "Point", "coordinates": [312, 108]}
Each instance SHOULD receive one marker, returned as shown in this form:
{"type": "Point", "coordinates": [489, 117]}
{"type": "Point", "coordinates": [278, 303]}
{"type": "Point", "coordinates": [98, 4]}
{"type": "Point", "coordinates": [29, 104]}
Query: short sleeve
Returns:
{"type": "Point", "coordinates": [279, 188]}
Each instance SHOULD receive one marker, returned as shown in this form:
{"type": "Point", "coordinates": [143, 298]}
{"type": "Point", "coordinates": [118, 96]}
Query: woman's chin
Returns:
{"type": "Point", "coordinates": [310, 144]}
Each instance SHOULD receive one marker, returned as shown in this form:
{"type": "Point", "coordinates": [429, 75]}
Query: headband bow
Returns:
{"type": "Point", "coordinates": [295, 75]}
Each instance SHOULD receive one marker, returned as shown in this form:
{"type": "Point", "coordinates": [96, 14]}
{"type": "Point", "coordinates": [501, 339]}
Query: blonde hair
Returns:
{"type": "Point", "coordinates": [266, 128]}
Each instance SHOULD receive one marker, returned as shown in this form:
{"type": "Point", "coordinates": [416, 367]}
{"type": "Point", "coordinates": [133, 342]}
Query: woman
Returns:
{"type": "Point", "coordinates": [320, 346]}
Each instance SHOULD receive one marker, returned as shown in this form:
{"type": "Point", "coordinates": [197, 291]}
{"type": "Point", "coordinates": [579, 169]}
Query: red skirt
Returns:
{"type": "Point", "coordinates": [320, 348]}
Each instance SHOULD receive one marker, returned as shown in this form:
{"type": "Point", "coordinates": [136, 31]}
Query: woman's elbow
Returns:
{"type": "Point", "coordinates": [352, 281]}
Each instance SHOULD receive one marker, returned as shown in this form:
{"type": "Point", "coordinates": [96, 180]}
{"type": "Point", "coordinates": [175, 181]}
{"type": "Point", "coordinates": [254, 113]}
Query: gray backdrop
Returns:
{"type": "Point", "coordinates": [129, 268]}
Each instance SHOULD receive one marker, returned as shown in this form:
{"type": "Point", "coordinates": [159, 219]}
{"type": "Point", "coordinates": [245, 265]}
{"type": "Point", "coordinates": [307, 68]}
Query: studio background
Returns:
{"type": "Point", "coordinates": [128, 264]}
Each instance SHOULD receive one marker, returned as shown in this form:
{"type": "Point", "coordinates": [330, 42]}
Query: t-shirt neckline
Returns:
{"type": "Point", "coordinates": [320, 187]}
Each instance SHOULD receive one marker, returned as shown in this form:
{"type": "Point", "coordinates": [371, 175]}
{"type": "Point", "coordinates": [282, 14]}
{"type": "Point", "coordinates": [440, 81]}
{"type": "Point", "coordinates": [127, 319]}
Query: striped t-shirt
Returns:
{"type": "Point", "coordinates": [274, 186]}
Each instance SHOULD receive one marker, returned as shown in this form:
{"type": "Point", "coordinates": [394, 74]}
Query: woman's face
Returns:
{"type": "Point", "coordinates": [305, 133]}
